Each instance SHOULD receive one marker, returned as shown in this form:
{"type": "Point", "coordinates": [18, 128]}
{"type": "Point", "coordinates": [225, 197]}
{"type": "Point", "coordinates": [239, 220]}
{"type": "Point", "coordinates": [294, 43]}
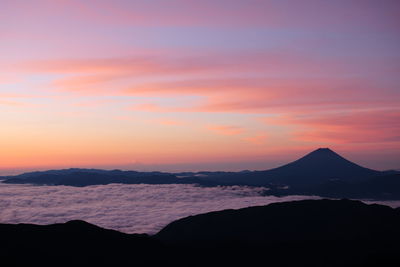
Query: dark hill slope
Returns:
{"type": "Point", "coordinates": [75, 243]}
{"type": "Point", "coordinates": [304, 233]}
{"type": "Point", "coordinates": [307, 220]}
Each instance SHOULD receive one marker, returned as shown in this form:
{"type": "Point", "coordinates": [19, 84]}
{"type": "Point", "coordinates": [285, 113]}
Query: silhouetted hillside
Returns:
{"type": "Point", "coordinates": [310, 220]}
{"type": "Point", "coordinates": [75, 243]}
{"type": "Point", "coordinates": [302, 233]}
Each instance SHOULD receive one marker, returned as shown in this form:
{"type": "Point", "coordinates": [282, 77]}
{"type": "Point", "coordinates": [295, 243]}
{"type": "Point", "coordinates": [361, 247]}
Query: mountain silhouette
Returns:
{"type": "Point", "coordinates": [301, 233]}
{"type": "Point", "coordinates": [75, 243]}
{"type": "Point", "coordinates": [319, 165]}
{"type": "Point", "coordinates": [322, 172]}
{"type": "Point", "coordinates": [85, 177]}
{"type": "Point", "coordinates": [305, 220]}
{"type": "Point", "coordinates": [314, 168]}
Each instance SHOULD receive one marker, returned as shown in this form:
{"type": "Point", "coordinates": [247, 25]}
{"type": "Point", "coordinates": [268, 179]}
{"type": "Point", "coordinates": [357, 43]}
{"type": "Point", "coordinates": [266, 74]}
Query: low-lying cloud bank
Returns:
{"type": "Point", "coordinates": [127, 208]}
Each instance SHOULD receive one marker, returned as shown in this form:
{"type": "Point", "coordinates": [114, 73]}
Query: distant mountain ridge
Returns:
{"type": "Point", "coordinates": [322, 172]}
{"type": "Point", "coordinates": [86, 177]}
{"type": "Point", "coordinates": [319, 166]}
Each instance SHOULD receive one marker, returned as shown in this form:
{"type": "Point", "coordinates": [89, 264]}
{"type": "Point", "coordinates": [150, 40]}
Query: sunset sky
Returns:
{"type": "Point", "coordinates": [196, 85]}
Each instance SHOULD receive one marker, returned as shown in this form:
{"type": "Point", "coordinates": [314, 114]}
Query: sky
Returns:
{"type": "Point", "coordinates": [197, 85]}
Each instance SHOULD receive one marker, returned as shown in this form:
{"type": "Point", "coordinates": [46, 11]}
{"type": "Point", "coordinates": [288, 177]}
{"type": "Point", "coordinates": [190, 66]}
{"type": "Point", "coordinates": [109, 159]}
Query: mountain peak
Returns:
{"type": "Point", "coordinates": [324, 150]}
{"type": "Point", "coordinates": [324, 153]}
{"type": "Point", "coordinates": [321, 165]}
{"type": "Point", "coordinates": [325, 156]}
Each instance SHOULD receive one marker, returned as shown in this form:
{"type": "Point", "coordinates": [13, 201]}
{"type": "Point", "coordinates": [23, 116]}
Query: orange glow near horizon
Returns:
{"type": "Point", "coordinates": [130, 84]}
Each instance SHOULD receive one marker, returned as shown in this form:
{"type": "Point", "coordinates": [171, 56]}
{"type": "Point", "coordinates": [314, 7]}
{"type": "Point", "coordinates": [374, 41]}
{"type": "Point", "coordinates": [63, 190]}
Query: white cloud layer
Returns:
{"type": "Point", "coordinates": [126, 208]}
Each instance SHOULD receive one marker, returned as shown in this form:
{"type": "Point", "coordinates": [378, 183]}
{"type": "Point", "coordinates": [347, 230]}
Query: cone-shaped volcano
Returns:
{"type": "Point", "coordinates": [313, 169]}
{"type": "Point", "coordinates": [318, 166]}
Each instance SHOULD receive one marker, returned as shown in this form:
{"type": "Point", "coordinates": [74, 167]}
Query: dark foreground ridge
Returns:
{"type": "Point", "coordinates": [321, 172]}
{"type": "Point", "coordinates": [302, 233]}
{"type": "Point", "coordinates": [74, 243]}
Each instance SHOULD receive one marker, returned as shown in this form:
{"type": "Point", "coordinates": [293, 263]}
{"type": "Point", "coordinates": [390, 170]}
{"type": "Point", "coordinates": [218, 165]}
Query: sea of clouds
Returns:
{"type": "Point", "coordinates": [126, 208]}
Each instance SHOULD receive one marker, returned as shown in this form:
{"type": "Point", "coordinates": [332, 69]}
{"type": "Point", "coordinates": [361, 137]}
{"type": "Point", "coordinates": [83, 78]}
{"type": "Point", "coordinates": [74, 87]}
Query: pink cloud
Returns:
{"type": "Point", "coordinates": [171, 122]}
{"type": "Point", "coordinates": [150, 107]}
{"type": "Point", "coordinates": [10, 103]}
{"type": "Point", "coordinates": [94, 103]}
{"type": "Point", "coordinates": [233, 93]}
{"type": "Point", "coordinates": [8, 79]}
{"type": "Point", "coordinates": [169, 62]}
{"type": "Point", "coordinates": [125, 118]}
{"type": "Point", "coordinates": [226, 129]}
{"type": "Point", "coordinates": [257, 139]}
{"type": "Point", "coordinates": [9, 100]}
{"type": "Point", "coordinates": [310, 82]}
{"type": "Point", "coordinates": [306, 61]}
{"type": "Point", "coordinates": [225, 13]}
{"type": "Point", "coordinates": [370, 126]}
